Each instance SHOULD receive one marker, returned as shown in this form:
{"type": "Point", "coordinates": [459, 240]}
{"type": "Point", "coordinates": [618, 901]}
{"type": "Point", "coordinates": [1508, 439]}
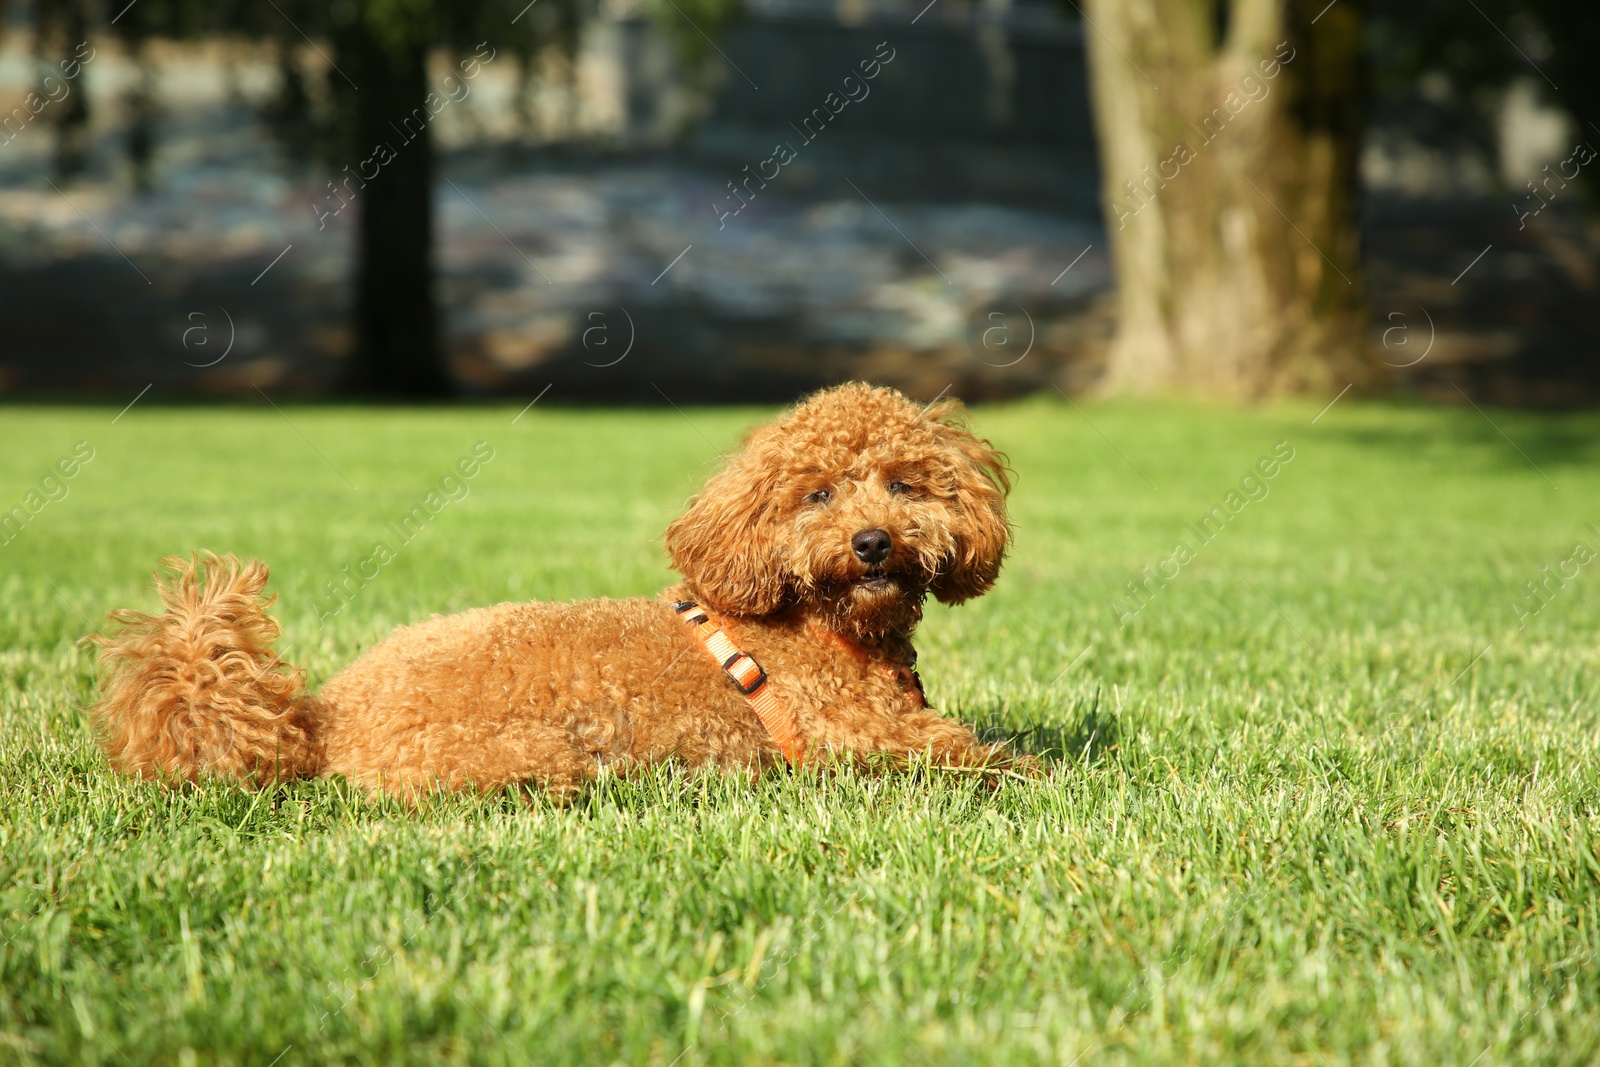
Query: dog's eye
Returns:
{"type": "Point", "coordinates": [899, 487]}
{"type": "Point", "coordinates": [821, 496]}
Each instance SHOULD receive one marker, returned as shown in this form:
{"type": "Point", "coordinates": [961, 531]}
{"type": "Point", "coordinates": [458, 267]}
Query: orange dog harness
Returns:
{"type": "Point", "coordinates": [743, 670]}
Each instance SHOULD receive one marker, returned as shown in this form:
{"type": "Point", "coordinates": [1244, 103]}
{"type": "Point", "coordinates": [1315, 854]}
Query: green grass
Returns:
{"type": "Point", "coordinates": [1284, 823]}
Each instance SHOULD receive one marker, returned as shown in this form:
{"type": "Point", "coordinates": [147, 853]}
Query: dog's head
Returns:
{"type": "Point", "coordinates": [857, 503]}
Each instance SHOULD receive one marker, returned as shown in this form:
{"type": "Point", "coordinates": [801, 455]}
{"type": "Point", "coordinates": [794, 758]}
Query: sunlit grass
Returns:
{"type": "Point", "coordinates": [1321, 799]}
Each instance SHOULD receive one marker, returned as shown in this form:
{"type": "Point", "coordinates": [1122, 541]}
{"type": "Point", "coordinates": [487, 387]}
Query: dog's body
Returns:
{"type": "Point", "coordinates": [628, 683]}
{"type": "Point", "coordinates": [812, 551]}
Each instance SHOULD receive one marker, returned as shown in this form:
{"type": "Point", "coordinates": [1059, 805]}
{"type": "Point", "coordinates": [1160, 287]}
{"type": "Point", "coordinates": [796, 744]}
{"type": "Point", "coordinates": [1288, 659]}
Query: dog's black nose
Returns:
{"type": "Point", "coordinates": [870, 546]}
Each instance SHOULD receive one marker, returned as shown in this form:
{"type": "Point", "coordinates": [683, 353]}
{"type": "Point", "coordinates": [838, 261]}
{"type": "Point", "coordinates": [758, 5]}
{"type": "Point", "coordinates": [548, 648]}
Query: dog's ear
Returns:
{"type": "Point", "coordinates": [979, 527]}
{"type": "Point", "coordinates": [725, 543]}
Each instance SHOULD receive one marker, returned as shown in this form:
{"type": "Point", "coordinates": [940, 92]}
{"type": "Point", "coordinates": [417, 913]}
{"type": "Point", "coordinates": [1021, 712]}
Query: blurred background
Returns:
{"type": "Point", "coordinates": [738, 200]}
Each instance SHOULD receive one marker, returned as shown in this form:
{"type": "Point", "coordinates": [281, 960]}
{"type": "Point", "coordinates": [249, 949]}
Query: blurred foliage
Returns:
{"type": "Point", "coordinates": [1457, 57]}
{"type": "Point", "coordinates": [1461, 57]}
{"type": "Point", "coordinates": [692, 25]}
{"type": "Point", "coordinates": [311, 113]}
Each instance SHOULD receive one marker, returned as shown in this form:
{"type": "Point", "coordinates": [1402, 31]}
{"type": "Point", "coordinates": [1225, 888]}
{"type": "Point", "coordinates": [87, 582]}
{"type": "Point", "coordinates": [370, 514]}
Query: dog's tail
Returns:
{"type": "Point", "coordinates": [197, 690]}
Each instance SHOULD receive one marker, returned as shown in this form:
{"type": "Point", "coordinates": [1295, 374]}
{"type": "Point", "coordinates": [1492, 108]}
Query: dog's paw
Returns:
{"type": "Point", "coordinates": [1026, 765]}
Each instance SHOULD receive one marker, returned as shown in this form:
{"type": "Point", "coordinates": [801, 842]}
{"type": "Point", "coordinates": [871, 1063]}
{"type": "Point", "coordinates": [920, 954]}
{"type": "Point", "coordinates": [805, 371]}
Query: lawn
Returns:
{"type": "Point", "coordinates": [1327, 796]}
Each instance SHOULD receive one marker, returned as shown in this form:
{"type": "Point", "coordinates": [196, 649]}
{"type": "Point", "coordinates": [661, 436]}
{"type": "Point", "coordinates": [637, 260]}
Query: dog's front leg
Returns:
{"type": "Point", "coordinates": [947, 741]}
{"type": "Point", "coordinates": [852, 731]}
{"type": "Point", "coordinates": [952, 743]}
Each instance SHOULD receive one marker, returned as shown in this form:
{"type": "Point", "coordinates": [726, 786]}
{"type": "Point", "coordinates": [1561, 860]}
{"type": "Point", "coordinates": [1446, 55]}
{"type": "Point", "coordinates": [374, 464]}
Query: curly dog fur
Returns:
{"type": "Point", "coordinates": [782, 547]}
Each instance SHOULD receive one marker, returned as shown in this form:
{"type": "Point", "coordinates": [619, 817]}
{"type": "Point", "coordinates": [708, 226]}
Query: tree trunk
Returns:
{"type": "Point", "coordinates": [397, 338]}
{"type": "Point", "coordinates": [1229, 132]}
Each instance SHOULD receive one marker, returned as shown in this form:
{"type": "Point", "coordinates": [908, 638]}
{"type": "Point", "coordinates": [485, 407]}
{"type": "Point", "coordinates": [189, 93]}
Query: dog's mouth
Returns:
{"type": "Point", "coordinates": [875, 578]}
{"type": "Point", "coordinates": [872, 601]}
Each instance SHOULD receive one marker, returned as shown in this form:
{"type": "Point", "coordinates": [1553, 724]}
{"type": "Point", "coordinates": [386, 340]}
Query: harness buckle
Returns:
{"type": "Point", "coordinates": [759, 680]}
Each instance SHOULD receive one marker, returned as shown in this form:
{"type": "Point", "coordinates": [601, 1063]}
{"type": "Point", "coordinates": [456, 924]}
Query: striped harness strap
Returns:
{"type": "Point", "coordinates": [743, 670]}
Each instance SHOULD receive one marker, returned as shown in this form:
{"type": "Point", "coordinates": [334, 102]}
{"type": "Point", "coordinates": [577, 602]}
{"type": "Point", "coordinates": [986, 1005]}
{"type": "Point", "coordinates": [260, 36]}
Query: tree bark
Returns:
{"type": "Point", "coordinates": [1229, 132]}
{"type": "Point", "coordinates": [397, 350]}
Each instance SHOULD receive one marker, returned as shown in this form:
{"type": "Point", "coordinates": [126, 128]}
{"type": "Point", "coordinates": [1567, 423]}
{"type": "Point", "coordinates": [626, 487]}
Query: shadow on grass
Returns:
{"type": "Point", "coordinates": [1494, 435]}
{"type": "Point", "coordinates": [1086, 739]}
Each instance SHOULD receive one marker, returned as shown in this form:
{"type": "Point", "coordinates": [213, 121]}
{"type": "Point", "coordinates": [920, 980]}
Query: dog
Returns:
{"type": "Point", "coordinates": [806, 561]}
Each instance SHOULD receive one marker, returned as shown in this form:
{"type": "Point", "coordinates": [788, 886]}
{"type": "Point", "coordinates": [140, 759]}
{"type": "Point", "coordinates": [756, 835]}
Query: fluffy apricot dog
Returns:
{"type": "Point", "coordinates": [805, 565]}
